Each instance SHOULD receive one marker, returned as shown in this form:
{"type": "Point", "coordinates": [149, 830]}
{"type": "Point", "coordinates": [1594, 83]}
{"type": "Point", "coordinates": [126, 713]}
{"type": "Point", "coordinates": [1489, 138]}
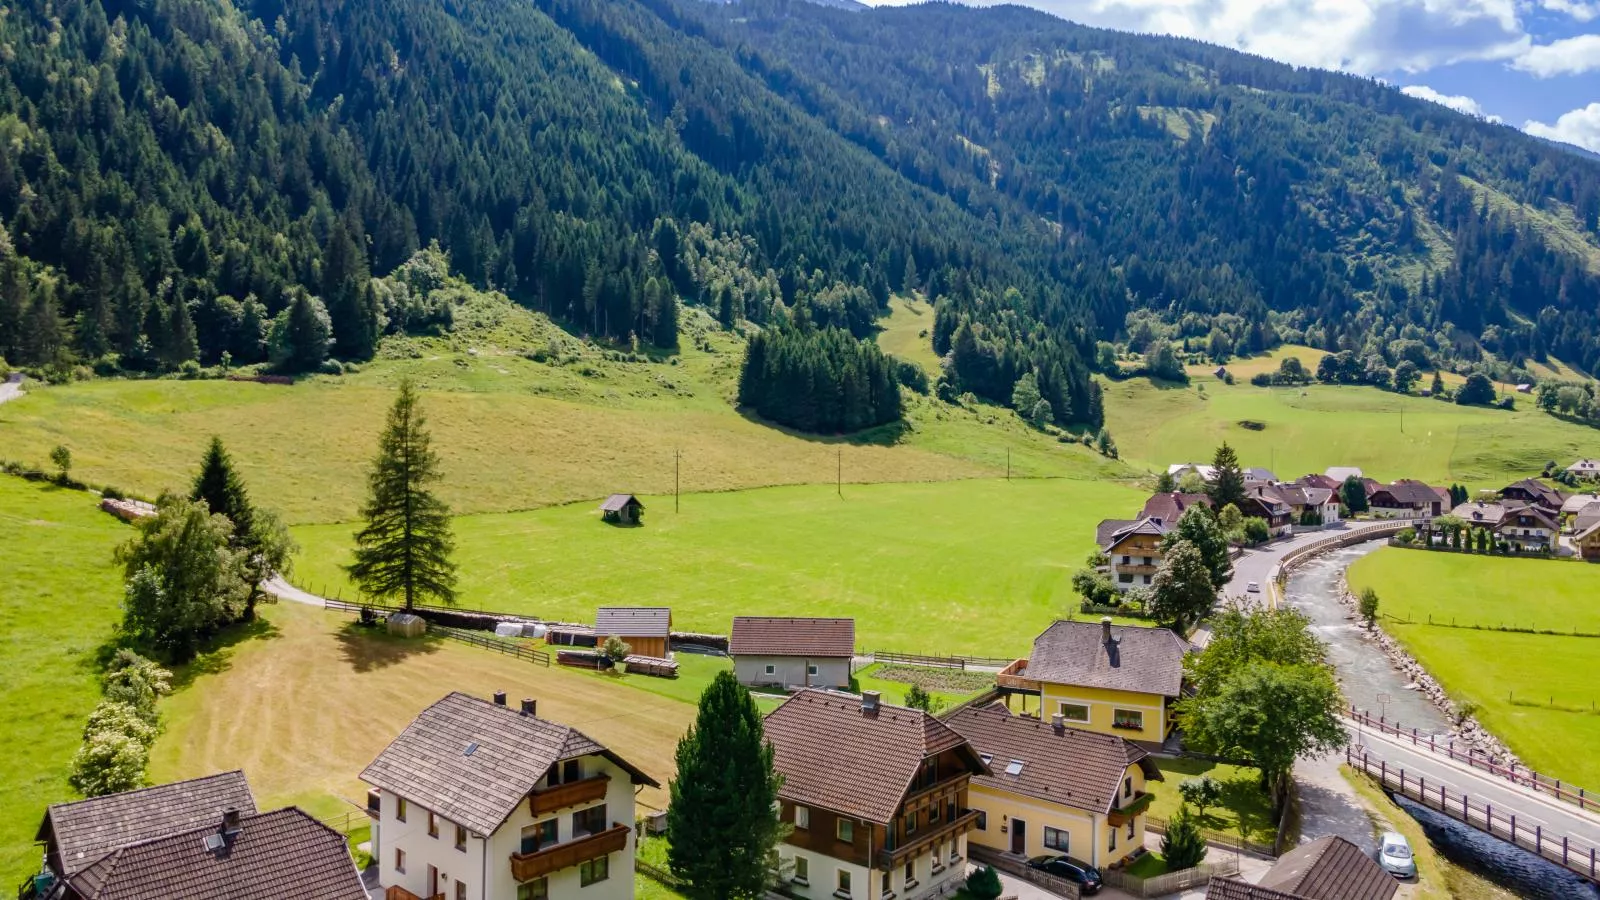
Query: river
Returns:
{"type": "Point", "coordinates": [1372, 683]}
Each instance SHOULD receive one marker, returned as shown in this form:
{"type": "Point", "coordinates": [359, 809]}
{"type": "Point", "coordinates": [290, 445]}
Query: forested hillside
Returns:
{"type": "Point", "coordinates": [185, 182]}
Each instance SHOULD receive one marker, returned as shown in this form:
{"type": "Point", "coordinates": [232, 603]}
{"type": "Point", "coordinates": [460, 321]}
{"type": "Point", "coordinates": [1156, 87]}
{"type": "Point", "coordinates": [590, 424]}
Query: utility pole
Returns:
{"type": "Point", "coordinates": [676, 454]}
{"type": "Point", "coordinates": [838, 478]}
{"type": "Point", "coordinates": [1008, 463]}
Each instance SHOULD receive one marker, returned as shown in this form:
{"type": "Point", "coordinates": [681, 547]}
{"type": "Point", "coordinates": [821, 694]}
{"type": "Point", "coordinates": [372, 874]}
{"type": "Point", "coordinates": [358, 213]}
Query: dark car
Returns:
{"type": "Point", "coordinates": [1085, 876]}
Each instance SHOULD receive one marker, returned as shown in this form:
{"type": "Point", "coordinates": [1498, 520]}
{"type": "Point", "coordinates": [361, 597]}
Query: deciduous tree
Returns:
{"type": "Point", "coordinates": [185, 579]}
{"type": "Point", "coordinates": [1198, 527]}
{"type": "Point", "coordinates": [1182, 591]}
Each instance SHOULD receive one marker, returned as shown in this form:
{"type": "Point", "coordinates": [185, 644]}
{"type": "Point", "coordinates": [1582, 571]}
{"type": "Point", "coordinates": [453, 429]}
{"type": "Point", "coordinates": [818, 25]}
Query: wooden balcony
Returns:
{"type": "Point", "coordinates": [574, 793]}
{"type": "Point", "coordinates": [396, 892]}
{"type": "Point", "coordinates": [565, 855]}
{"type": "Point", "coordinates": [1127, 809]}
{"type": "Point", "coordinates": [924, 838]}
{"type": "Point", "coordinates": [1011, 679]}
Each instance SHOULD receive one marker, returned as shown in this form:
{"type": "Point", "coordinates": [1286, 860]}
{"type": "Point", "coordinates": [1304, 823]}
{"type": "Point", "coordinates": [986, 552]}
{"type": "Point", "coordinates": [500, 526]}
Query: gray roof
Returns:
{"type": "Point", "coordinates": [1342, 473]}
{"type": "Point", "coordinates": [86, 830]}
{"type": "Point", "coordinates": [1151, 526]}
{"type": "Point", "coordinates": [616, 502]}
{"type": "Point", "coordinates": [1148, 660]}
{"type": "Point", "coordinates": [1329, 868]}
{"type": "Point", "coordinates": [1577, 503]}
{"type": "Point", "coordinates": [1106, 531]}
{"type": "Point", "coordinates": [633, 621]}
{"type": "Point", "coordinates": [1081, 769]}
{"type": "Point", "coordinates": [429, 763]}
{"type": "Point", "coordinates": [1231, 888]}
{"type": "Point", "coordinates": [284, 853]}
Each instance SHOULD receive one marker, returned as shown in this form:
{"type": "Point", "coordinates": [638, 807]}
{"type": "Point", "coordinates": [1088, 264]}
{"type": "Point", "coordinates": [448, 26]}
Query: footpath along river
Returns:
{"type": "Point", "coordinates": [1371, 682]}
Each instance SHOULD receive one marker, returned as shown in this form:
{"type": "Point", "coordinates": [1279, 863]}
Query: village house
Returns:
{"type": "Point", "coordinates": [1588, 515]}
{"type": "Point", "coordinates": [782, 651]}
{"type": "Point", "coordinates": [1132, 549]}
{"type": "Point", "coordinates": [1309, 505]}
{"type": "Point", "coordinates": [1263, 502]}
{"type": "Point", "coordinates": [1206, 473]}
{"type": "Point", "coordinates": [1170, 506]}
{"type": "Point", "coordinates": [1407, 499]}
{"type": "Point", "coordinates": [478, 801]}
{"type": "Point", "coordinates": [1328, 868]}
{"type": "Point", "coordinates": [1574, 505]}
{"type": "Point", "coordinates": [1588, 469]}
{"type": "Point", "coordinates": [197, 838]}
{"type": "Point", "coordinates": [647, 630]}
{"type": "Point", "coordinates": [1533, 492]}
{"type": "Point", "coordinates": [1113, 679]}
{"type": "Point", "coordinates": [1587, 540]}
{"type": "Point", "coordinates": [622, 509]}
{"type": "Point", "coordinates": [876, 795]}
{"type": "Point", "coordinates": [1054, 789]}
{"type": "Point", "coordinates": [1341, 474]}
{"type": "Point", "coordinates": [1321, 481]}
{"type": "Point", "coordinates": [1258, 475]}
{"type": "Point", "coordinates": [1524, 528]}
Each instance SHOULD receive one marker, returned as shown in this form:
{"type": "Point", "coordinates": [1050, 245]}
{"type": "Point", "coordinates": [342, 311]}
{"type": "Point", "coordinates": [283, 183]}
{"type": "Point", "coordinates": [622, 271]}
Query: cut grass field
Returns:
{"type": "Point", "coordinates": [1243, 800]}
{"type": "Point", "coordinates": [1309, 429]}
{"type": "Point", "coordinates": [907, 333]}
{"type": "Point", "coordinates": [59, 593]}
{"type": "Point", "coordinates": [923, 568]}
{"type": "Point", "coordinates": [1536, 692]}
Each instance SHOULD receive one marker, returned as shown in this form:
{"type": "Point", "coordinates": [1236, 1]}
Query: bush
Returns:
{"type": "Point", "coordinates": [1183, 845]}
{"type": "Point", "coordinates": [984, 883]}
{"type": "Point", "coordinates": [111, 493]}
{"type": "Point", "coordinates": [1201, 792]}
{"type": "Point", "coordinates": [1256, 530]}
{"type": "Point", "coordinates": [616, 649]}
{"type": "Point", "coordinates": [1405, 535]}
{"type": "Point", "coordinates": [331, 367]}
{"type": "Point", "coordinates": [109, 762]}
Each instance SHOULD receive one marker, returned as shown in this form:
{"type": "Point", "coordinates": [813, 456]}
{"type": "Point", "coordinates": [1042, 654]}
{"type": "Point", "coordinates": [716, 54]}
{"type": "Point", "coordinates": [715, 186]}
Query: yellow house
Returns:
{"type": "Point", "coordinates": [1054, 789]}
{"type": "Point", "coordinates": [1113, 679]}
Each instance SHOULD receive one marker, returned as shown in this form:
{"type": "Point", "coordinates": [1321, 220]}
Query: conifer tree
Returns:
{"type": "Point", "coordinates": [404, 550]}
{"type": "Point", "coordinates": [1227, 482]}
{"type": "Point", "coordinates": [258, 534]}
{"type": "Point", "coordinates": [722, 831]}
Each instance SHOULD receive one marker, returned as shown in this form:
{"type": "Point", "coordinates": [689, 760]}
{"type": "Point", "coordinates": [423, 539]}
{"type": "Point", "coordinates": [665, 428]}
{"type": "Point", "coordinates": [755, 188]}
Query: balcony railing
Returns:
{"type": "Point", "coordinates": [1011, 678]}
{"type": "Point", "coordinates": [554, 858]}
{"type": "Point", "coordinates": [952, 785]}
{"type": "Point", "coordinates": [396, 892]}
{"type": "Point", "coordinates": [924, 839]}
{"type": "Point", "coordinates": [573, 793]}
{"type": "Point", "coordinates": [1127, 809]}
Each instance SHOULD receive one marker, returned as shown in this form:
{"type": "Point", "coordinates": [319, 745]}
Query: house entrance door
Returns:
{"type": "Point", "coordinates": [433, 882]}
{"type": "Point", "coordinates": [1019, 837]}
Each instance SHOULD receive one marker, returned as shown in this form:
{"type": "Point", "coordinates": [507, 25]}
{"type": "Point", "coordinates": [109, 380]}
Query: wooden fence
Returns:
{"type": "Point", "coordinates": [1011, 865]}
{"type": "Point", "coordinates": [477, 639]}
{"type": "Point", "coordinates": [1169, 882]}
{"type": "Point", "coordinates": [932, 662]}
{"type": "Point", "coordinates": [1573, 854]}
{"type": "Point", "coordinates": [1218, 839]}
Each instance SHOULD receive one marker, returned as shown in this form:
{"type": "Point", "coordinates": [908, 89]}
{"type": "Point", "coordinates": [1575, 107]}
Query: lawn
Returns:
{"type": "Point", "coordinates": [1309, 429]}
{"type": "Point", "coordinates": [58, 604]}
{"type": "Point", "coordinates": [307, 700]}
{"type": "Point", "coordinates": [907, 333]}
{"type": "Point", "coordinates": [1242, 797]}
{"type": "Point", "coordinates": [921, 567]}
{"type": "Point", "coordinates": [1538, 693]}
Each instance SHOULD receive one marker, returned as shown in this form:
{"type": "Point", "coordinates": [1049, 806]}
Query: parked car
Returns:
{"type": "Point", "coordinates": [1085, 876]}
{"type": "Point", "coordinates": [1253, 588]}
{"type": "Point", "coordinates": [1394, 855]}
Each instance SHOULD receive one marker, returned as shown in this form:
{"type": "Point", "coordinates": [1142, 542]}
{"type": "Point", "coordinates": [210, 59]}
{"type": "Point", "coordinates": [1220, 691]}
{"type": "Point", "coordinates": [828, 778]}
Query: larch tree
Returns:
{"type": "Point", "coordinates": [405, 549]}
{"type": "Point", "coordinates": [722, 830]}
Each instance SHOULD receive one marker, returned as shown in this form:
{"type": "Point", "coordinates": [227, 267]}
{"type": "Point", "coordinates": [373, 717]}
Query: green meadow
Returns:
{"type": "Point", "coordinates": [1536, 692]}
{"type": "Point", "coordinates": [59, 595]}
{"type": "Point", "coordinates": [976, 566]}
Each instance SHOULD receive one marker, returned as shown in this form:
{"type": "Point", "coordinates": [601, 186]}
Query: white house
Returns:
{"type": "Point", "coordinates": [1586, 468]}
{"type": "Point", "coordinates": [1178, 470]}
{"type": "Point", "coordinates": [784, 651]}
{"type": "Point", "coordinates": [478, 801]}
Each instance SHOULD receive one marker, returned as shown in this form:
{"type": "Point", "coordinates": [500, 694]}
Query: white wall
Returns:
{"type": "Point", "coordinates": [791, 670]}
{"type": "Point", "coordinates": [867, 884]}
{"type": "Point", "coordinates": [565, 883]}
{"type": "Point", "coordinates": [421, 850]}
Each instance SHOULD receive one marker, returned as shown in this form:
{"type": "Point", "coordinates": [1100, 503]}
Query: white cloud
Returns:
{"type": "Point", "coordinates": [1571, 56]}
{"type": "Point", "coordinates": [1581, 128]}
{"type": "Point", "coordinates": [1362, 36]}
{"type": "Point", "coordinates": [1578, 9]}
{"type": "Point", "coordinates": [1457, 102]}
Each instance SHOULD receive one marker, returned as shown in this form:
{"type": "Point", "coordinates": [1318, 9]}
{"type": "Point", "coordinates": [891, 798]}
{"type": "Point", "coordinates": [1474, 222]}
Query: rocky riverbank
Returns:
{"type": "Point", "coordinates": [1467, 730]}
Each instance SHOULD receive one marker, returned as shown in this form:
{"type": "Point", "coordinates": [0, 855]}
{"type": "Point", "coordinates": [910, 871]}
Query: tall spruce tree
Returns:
{"type": "Point", "coordinates": [1227, 482]}
{"type": "Point", "coordinates": [722, 831]}
{"type": "Point", "coordinates": [258, 534]}
{"type": "Point", "coordinates": [404, 550]}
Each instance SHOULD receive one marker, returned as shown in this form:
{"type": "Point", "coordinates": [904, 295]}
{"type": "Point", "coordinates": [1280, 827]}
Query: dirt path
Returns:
{"type": "Point", "coordinates": [11, 388]}
{"type": "Point", "coordinates": [283, 590]}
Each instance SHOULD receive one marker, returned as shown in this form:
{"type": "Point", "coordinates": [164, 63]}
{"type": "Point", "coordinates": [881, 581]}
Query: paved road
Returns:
{"type": "Point", "coordinates": [11, 388]}
{"type": "Point", "coordinates": [283, 590]}
{"type": "Point", "coordinates": [1257, 563]}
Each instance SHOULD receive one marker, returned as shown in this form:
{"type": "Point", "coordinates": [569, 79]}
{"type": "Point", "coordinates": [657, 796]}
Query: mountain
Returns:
{"type": "Point", "coordinates": [174, 174]}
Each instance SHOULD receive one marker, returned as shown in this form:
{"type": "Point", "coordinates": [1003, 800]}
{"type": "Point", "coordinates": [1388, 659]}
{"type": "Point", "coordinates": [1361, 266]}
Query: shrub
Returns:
{"type": "Point", "coordinates": [109, 762]}
{"type": "Point", "coordinates": [984, 883]}
{"type": "Point", "coordinates": [918, 698]}
{"type": "Point", "coordinates": [1405, 535]}
{"type": "Point", "coordinates": [111, 493]}
{"type": "Point", "coordinates": [616, 649]}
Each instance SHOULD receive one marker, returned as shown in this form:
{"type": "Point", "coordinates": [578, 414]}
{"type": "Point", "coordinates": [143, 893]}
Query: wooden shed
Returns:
{"type": "Point", "coordinates": [622, 509]}
{"type": "Point", "coordinates": [646, 629]}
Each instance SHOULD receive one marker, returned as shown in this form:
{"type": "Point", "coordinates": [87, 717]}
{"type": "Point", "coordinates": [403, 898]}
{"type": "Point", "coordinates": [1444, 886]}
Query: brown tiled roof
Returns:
{"type": "Point", "coordinates": [1081, 769]}
{"type": "Point", "coordinates": [284, 853]}
{"type": "Point", "coordinates": [1106, 532]}
{"type": "Point", "coordinates": [633, 621]}
{"type": "Point", "coordinates": [786, 636]}
{"type": "Point", "coordinates": [1321, 481]}
{"type": "Point", "coordinates": [473, 761]}
{"type": "Point", "coordinates": [616, 502]}
{"type": "Point", "coordinates": [1542, 493]}
{"type": "Point", "coordinates": [1148, 660]}
{"type": "Point", "coordinates": [1478, 512]}
{"type": "Point", "coordinates": [1329, 868]}
{"type": "Point", "coordinates": [1409, 493]}
{"type": "Point", "coordinates": [1151, 526]}
{"type": "Point", "coordinates": [835, 755]}
{"type": "Point", "coordinates": [89, 829]}
{"type": "Point", "coordinates": [1170, 507]}
{"type": "Point", "coordinates": [1234, 889]}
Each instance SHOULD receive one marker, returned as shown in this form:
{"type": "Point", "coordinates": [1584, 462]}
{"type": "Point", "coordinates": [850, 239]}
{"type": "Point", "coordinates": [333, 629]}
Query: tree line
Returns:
{"type": "Point", "coordinates": [819, 380]}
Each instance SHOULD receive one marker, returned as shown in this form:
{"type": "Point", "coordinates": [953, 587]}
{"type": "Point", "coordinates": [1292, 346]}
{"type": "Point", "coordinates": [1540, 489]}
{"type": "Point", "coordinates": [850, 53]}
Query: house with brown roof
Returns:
{"type": "Point", "coordinates": [1169, 506]}
{"type": "Point", "coordinates": [197, 838]}
{"type": "Point", "coordinates": [1534, 492]}
{"type": "Point", "coordinates": [1113, 679]}
{"type": "Point", "coordinates": [786, 651]}
{"type": "Point", "coordinates": [877, 797]}
{"type": "Point", "coordinates": [478, 801]}
{"type": "Point", "coordinates": [1054, 789]}
{"type": "Point", "coordinates": [1132, 549]}
{"type": "Point", "coordinates": [1586, 540]}
{"type": "Point", "coordinates": [1525, 528]}
{"type": "Point", "coordinates": [645, 629]}
{"type": "Point", "coordinates": [1262, 501]}
{"type": "Point", "coordinates": [1328, 868]}
{"type": "Point", "coordinates": [1588, 469]}
{"type": "Point", "coordinates": [1408, 499]}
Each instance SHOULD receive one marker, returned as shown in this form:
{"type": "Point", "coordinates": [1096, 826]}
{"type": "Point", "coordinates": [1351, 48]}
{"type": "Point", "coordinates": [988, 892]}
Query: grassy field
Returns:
{"type": "Point", "coordinates": [921, 567]}
{"type": "Point", "coordinates": [1536, 692]}
{"type": "Point", "coordinates": [1308, 429]}
{"type": "Point", "coordinates": [1243, 800]}
{"type": "Point", "coordinates": [907, 333]}
{"type": "Point", "coordinates": [58, 604]}
{"type": "Point", "coordinates": [306, 701]}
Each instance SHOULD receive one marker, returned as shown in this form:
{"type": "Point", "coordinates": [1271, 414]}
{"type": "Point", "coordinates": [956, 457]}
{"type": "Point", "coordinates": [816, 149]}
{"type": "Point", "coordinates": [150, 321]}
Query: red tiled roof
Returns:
{"type": "Point", "coordinates": [1081, 769]}
{"type": "Point", "coordinates": [791, 636]}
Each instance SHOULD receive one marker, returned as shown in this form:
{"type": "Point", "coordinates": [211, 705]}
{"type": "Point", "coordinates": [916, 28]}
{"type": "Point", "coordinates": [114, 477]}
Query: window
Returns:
{"type": "Point", "coordinates": [1074, 712]}
{"type": "Point", "coordinates": [1127, 560]}
{"type": "Point", "coordinates": [1113, 844]}
{"type": "Point", "coordinates": [802, 870]}
{"type": "Point", "coordinates": [888, 889]}
{"type": "Point", "coordinates": [537, 889]}
{"type": "Point", "coordinates": [938, 857]}
{"type": "Point", "coordinates": [1125, 577]}
{"type": "Point", "coordinates": [400, 808]}
{"type": "Point", "coordinates": [844, 830]}
{"type": "Point", "coordinates": [1130, 829]}
{"type": "Point", "coordinates": [541, 834]}
{"type": "Point", "coordinates": [1127, 787]}
{"type": "Point", "coordinates": [1014, 767]}
{"type": "Point", "coordinates": [461, 890]}
{"type": "Point", "coordinates": [802, 817]}
{"type": "Point", "coordinates": [1148, 561]}
{"type": "Point", "coordinates": [1127, 718]}
{"type": "Point", "coordinates": [771, 669]}
{"type": "Point", "coordinates": [983, 820]}
{"type": "Point", "coordinates": [933, 814]}
{"type": "Point", "coordinates": [811, 669]}
{"type": "Point", "coordinates": [433, 824]}
{"type": "Point", "coordinates": [911, 822]}
{"type": "Point", "coordinates": [571, 770]}
{"type": "Point", "coordinates": [399, 860]}
{"type": "Point", "coordinates": [843, 884]}
{"type": "Point", "coordinates": [594, 871]}
{"type": "Point", "coordinates": [1056, 839]}
{"type": "Point", "coordinates": [911, 873]}
{"type": "Point", "coordinates": [461, 838]}
{"type": "Point", "coordinates": [1147, 579]}
{"type": "Point", "coordinates": [589, 821]}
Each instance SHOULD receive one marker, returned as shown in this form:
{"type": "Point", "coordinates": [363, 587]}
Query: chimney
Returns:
{"type": "Point", "coordinates": [869, 702]}
{"type": "Point", "coordinates": [1058, 724]}
{"type": "Point", "coordinates": [529, 706]}
{"type": "Point", "coordinates": [499, 698]}
{"type": "Point", "coordinates": [230, 820]}
{"type": "Point", "coordinates": [1105, 629]}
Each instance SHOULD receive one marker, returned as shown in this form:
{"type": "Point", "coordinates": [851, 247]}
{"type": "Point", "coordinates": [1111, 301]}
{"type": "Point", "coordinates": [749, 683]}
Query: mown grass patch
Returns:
{"type": "Point", "coordinates": [907, 333]}
{"type": "Point", "coordinates": [1243, 799]}
{"type": "Point", "coordinates": [59, 596]}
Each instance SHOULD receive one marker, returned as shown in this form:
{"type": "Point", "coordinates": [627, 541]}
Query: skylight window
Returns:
{"type": "Point", "coordinates": [471, 749]}
{"type": "Point", "coordinates": [1014, 768]}
{"type": "Point", "coordinates": [214, 842]}
{"type": "Point", "coordinates": [987, 759]}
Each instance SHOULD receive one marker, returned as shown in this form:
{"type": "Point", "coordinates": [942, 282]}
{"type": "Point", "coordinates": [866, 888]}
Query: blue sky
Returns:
{"type": "Point", "coordinates": [1534, 64]}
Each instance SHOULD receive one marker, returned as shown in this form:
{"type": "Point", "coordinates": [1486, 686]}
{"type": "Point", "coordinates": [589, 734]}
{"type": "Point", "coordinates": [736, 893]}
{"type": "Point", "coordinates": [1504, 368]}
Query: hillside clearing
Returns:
{"type": "Point", "coordinates": [907, 333]}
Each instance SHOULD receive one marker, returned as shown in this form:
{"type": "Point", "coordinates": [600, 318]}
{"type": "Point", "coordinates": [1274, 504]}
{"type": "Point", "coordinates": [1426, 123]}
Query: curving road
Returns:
{"type": "Point", "coordinates": [11, 388]}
